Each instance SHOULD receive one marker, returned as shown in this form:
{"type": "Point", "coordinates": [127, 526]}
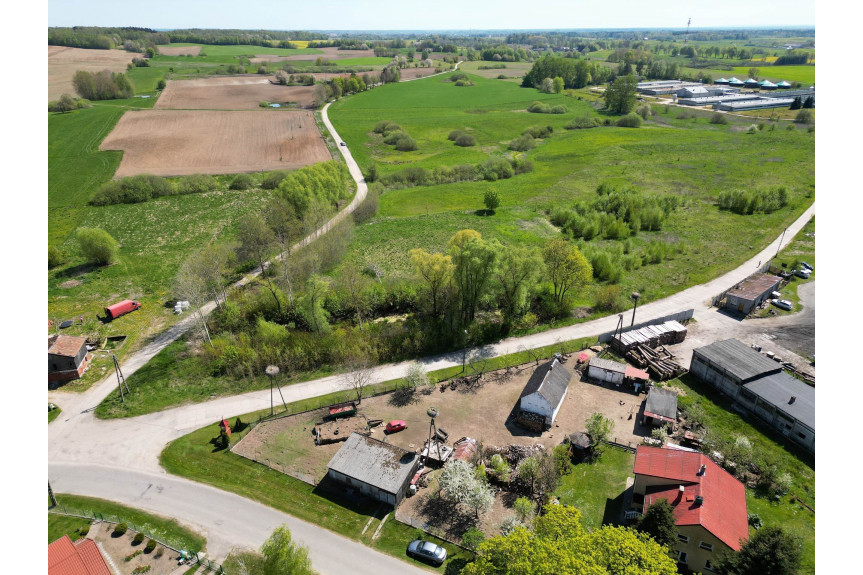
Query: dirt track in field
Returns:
{"type": "Point", "coordinates": [63, 62]}
{"type": "Point", "coordinates": [230, 93]}
{"type": "Point", "coordinates": [178, 142]}
{"type": "Point", "coordinates": [179, 50]}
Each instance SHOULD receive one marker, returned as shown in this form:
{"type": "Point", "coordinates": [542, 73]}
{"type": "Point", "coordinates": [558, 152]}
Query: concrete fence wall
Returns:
{"type": "Point", "coordinates": [680, 316]}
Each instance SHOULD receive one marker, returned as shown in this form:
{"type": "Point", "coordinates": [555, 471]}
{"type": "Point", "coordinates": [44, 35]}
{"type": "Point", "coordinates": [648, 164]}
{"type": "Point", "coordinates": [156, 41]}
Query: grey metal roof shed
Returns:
{"type": "Point", "coordinates": [662, 402]}
{"type": "Point", "coordinates": [374, 462]}
{"type": "Point", "coordinates": [738, 359]}
{"type": "Point", "coordinates": [779, 389]}
{"type": "Point", "coordinates": [607, 364]}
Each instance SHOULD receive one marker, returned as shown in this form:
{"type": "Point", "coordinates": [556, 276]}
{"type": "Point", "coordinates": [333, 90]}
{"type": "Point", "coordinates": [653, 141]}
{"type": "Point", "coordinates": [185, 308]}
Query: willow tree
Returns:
{"type": "Point", "coordinates": [436, 270]}
{"type": "Point", "coordinates": [567, 267]}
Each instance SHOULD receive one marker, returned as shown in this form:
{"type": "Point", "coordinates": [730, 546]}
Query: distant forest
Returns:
{"type": "Point", "coordinates": [138, 39]}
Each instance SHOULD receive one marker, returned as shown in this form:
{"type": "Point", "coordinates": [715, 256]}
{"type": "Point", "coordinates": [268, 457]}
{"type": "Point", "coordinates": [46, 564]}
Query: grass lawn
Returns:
{"type": "Point", "coordinates": [194, 456]}
{"type": "Point", "coordinates": [161, 528]}
{"type": "Point", "coordinates": [805, 74]}
{"type": "Point", "coordinates": [596, 488]}
{"type": "Point", "coordinates": [60, 525]}
{"type": "Point", "coordinates": [52, 415]}
{"type": "Point", "coordinates": [684, 156]}
{"type": "Point", "coordinates": [787, 512]}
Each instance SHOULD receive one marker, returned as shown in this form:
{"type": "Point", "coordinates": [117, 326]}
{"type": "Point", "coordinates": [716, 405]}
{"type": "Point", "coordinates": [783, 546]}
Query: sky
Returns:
{"type": "Point", "coordinates": [435, 15]}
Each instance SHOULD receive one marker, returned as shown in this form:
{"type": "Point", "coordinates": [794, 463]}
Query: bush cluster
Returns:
{"type": "Point", "coordinates": [462, 138]}
{"type": "Point", "coordinates": [67, 103]}
{"type": "Point", "coordinates": [753, 202]}
{"type": "Point", "coordinates": [242, 182]}
{"type": "Point", "coordinates": [582, 123]}
{"type": "Point", "coordinates": [631, 120]}
{"type": "Point", "coordinates": [104, 85]}
{"type": "Point", "coordinates": [523, 143]}
{"type": "Point", "coordinates": [491, 170]}
{"type": "Point", "coordinates": [539, 131]}
{"type": "Point", "coordinates": [395, 136]}
{"type": "Point", "coordinates": [325, 183]}
{"type": "Point", "coordinates": [718, 118]}
{"type": "Point", "coordinates": [137, 189]}
{"type": "Point", "coordinates": [120, 529]}
{"type": "Point", "coordinates": [151, 544]}
{"type": "Point", "coordinates": [540, 108]}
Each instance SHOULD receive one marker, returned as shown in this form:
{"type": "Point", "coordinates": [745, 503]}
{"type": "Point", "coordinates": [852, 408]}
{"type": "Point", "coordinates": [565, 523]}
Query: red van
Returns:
{"type": "Point", "coordinates": [122, 308]}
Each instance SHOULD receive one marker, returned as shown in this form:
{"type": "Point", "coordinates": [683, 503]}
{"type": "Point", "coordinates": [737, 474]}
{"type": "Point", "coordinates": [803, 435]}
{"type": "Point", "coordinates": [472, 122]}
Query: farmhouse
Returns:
{"type": "Point", "coordinates": [709, 504]}
{"type": "Point", "coordinates": [68, 358]}
{"type": "Point", "coordinates": [374, 468]}
{"type": "Point", "coordinates": [543, 395]}
{"type": "Point", "coordinates": [760, 386]}
{"type": "Point", "coordinates": [660, 407]}
{"type": "Point", "coordinates": [80, 558]}
{"type": "Point", "coordinates": [606, 370]}
{"type": "Point", "coordinates": [751, 292]}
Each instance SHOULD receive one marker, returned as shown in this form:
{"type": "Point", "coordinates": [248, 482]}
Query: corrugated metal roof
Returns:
{"type": "Point", "coordinates": [65, 345]}
{"type": "Point", "coordinates": [81, 558]}
{"type": "Point", "coordinates": [607, 365]}
{"type": "Point", "coordinates": [754, 286]}
{"type": "Point", "coordinates": [550, 380]}
{"type": "Point", "coordinates": [738, 359]}
{"type": "Point", "coordinates": [723, 511]}
{"type": "Point", "coordinates": [778, 389]}
{"type": "Point", "coordinates": [662, 402]}
{"type": "Point", "coordinates": [374, 462]}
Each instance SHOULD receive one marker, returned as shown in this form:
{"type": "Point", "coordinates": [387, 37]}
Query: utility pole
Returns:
{"type": "Point", "coordinates": [779, 247]}
{"type": "Point", "coordinates": [272, 371]}
{"type": "Point", "coordinates": [121, 381]}
{"type": "Point", "coordinates": [686, 36]}
{"type": "Point", "coordinates": [464, 352]}
{"type": "Point", "coordinates": [51, 495]}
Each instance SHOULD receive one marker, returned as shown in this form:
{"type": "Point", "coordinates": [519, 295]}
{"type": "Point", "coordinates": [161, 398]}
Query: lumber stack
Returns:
{"type": "Point", "coordinates": [658, 362]}
{"type": "Point", "coordinates": [651, 335]}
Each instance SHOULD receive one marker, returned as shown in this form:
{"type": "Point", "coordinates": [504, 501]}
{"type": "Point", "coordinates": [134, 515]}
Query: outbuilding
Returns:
{"type": "Point", "coordinates": [68, 358]}
{"type": "Point", "coordinates": [542, 397]}
{"type": "Point", "coordinates": [606, 370]}
{"type": "Point", "coordinates": [749, 293]}
{"type": "Point", "coordinates": [660, 407]}
{"type": "Point", "coordinates": [378, 470]}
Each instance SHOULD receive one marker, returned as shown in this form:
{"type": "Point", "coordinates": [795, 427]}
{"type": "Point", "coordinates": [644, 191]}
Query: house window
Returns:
{"type": "Point", "coordinates": [801, 435]}
{"type": "Point", "coordinates": [708, 546]}
{"type": "Point", "coordinates": [708, 566]}
{"type": "Point", "coordinates": [682, 538]}
{"type": "Point", "coordinates": [681, 557]}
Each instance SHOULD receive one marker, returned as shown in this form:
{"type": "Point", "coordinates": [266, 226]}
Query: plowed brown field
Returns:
{"type": "Point", "coordinates": [180, 50]}
{"type": "Point", "coordinates": [230, 93]}
{"type": "Point", "coordinates": [177, 142]}
{"type": "Point", "coordinates": [63, 62]}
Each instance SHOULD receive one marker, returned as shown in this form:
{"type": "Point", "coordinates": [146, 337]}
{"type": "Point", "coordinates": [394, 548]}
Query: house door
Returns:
{"type": "Point", "coordinates": [740, 307]}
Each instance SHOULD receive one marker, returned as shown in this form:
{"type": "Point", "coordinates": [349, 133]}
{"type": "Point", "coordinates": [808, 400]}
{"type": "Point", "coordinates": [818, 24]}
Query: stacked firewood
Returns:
{"type": "Point", "coordinates": [659, 362]}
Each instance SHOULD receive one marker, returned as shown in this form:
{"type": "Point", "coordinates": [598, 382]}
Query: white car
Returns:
{"type": "Point", "coordinates": [782, 304]}
{"type": "Point", "coordinates": [802, 273]}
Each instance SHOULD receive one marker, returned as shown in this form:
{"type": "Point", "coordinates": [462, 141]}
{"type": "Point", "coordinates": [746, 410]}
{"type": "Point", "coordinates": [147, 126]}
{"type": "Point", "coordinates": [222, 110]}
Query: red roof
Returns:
{"type": "Point", "coordinates": [80, 558]}
{"type": "Point", "coordinates": [636, 373]}
{"type": "Point", "coordinates": [723, 508]}
{"type": "Point", "coordinates": [65, 345]}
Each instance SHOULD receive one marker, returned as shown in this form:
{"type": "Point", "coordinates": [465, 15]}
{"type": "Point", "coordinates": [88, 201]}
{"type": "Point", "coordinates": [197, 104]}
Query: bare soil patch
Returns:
{"type": "Point", "coordinates": [179, 50]}
{"type": "Point", "coordinates": [70, 284]}
{"type": "Point", "coordinates": [231, 93]}
{"type": "Point", "coordinates": [118, 548]}
{"type": "Point", "coordinates": [178, 142]}
{"type": "Point", "coordinates": [332, 53]}
{"type": "Point", "coordinates": [411, 73]}
{"type": "Point", "coordinates": [63, 62]}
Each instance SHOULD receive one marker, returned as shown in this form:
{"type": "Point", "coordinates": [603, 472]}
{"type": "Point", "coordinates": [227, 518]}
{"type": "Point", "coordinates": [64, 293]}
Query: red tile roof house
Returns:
{"type": "Point", "coordinates": [709, 504]}
{"type": "Point", "coordinates": [68, 358]}
{"type": "Point", "coordinates": [80, 558]}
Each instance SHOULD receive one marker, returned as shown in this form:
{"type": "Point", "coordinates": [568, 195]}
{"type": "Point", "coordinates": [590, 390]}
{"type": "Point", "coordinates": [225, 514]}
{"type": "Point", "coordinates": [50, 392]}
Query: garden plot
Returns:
{"type": "Point", "coordinates": [231, 93]}
{"type": "Point", "coordinates": [63, 62]}
{"type": "Point", "coordinates": [176, 142]}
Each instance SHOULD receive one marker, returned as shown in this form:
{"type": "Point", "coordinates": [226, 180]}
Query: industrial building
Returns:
{"type": "Point", "coordinates": [760, 386]}
{"type": "Point", "coordinates": [376, 469]}
{"type": "Point", "coordinates": [755, 103]}
{"type": "Point", "coordinates": [749, 293]}
{"type": "Point", "coordinates": [659, 87]}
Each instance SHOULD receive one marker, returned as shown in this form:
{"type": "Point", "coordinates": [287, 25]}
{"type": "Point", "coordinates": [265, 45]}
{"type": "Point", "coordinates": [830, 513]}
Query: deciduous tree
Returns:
{"type": "Point", "coordinates": [436, 270]}
{"type": "Point", "coordinates": [97, 246]}
{"type": "Point", "coordinates": [771, 551]}
{"type": "Point", "coordinates": [658, 522]}
{"type": "Point", "coordinates": [567, 267]}
{"type": "Point", "coordinates": [620, 95]}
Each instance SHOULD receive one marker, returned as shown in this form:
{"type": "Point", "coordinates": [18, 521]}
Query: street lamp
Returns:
{"type": "Point", "coordinates": [272, 371]}
{"type": "Point", "coordinates": [635, 295]}
{"type": "Point", "coordinates": [464, 352]}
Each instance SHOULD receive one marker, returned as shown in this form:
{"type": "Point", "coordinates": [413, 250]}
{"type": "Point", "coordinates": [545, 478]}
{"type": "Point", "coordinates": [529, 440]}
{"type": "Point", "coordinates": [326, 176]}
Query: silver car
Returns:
{"type": "Point", "coordinates": [782, 304]}
{"type": "Point", "coordinates": [428, 551]}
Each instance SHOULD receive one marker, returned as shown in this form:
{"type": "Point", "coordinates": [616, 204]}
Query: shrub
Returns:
{"type": "Point", "coordinates": [196, 184]}
{"type": "Point", "coordinates": [120, 529]}
{"type": "Point", "coordinates": [406, 144]}
{"type": "Point", "coordinates": [582, 123]}
{"type": "Point", "coordinates": [97, 246]}
{"type": "Point", "coordinates": [521, 166]}
{"type": "Point", "coordinates": [491, 200]}
{"type": "Point", "coordinates": [539, 132]}
{"type": "Point", "coordinates": [496, 169]}
{"type": "Point", "coordinates": [385, 127]}
{"type": "Point", "coordinates": [131, 190]}
{"type": "Point", "coordinates": [472, 538]}
{"type": "Point", "coordinates": [151, 544]}
{"type": "Point", "coordinates": [138, 539]}
{"type": "Point", "coordinates": [501, 77]}
{"type": "Point", "coordinates": [392, 137]}
{"type": "Point", "coordinates": [55, 257]}
{"type": "Point", "coordinates": [644, 110]}
{"type": "Point", "coordinates": [242, 182]}
{"type": "Point", "coordinates": [462, 83]}
{"type": "Point", "coordinates": [161, 84]}
{"type": "Point", "coordinates": [718, 118]}
{"type": "Point", "coordinates": [805, 116]}
{"type": "Point", "coordinates": [522, 143]}
{"type": "Point", "coordinates": [272, 180]}
{"type": "Point", "coordinates": [465, 141]}
{"type": "Point", "coordinates": [539, 108]}
{"type": "Point", "coordinates": [453, 136]}
{"type": "Point", "coordinates": [561, 109]}
{"type": "Point", "coordinates": [631, 120]}
{"type": "Point", "coordinates": [754, 520]}
{"type": "Point", "coordinates": [607, 298]}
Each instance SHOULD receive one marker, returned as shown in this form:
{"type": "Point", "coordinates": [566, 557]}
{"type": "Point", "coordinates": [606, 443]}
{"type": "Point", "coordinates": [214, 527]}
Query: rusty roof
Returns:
{"type": "Point", "coordinates": [66, 345]}
{"type": "Point", "coordinates": [754, 286]}
{"type": "Point", "coordinates": [80, 558]}
{"type": "Point", "coordinates": [374, 462]}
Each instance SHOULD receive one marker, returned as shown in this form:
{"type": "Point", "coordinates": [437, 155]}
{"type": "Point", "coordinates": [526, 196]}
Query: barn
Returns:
{"type": "Point", "coordinates": [68, 358]}
{"type": "Point", "coordinates": [543, 395]}
{"type": "Point", "coordinates": [606, 370]}
{"type": "Point", "coordinates": [376, 469]}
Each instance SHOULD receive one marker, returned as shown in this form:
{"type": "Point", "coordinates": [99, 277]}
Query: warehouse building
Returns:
{"type": "Point", "coordinates": [759, 103]}
{"type": "Point", "coordinates": [376, 469]}
{"type": "Point", "coordinates": [659, 87]}
{"type": "Point", "coordinates": [760, 386]}
{"type": "Point", "coordinates": [749, 293]}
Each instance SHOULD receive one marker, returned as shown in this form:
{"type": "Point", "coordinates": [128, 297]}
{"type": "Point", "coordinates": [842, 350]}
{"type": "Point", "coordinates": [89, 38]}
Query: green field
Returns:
{"type": "Point", "coordinates": [805, 74]}
{"type": "Point", "coordinates": [166, 530]}
{"type": "Point", "coordinates": [246, 50]}
{"type": "Point", "coordinates": [690, 158]}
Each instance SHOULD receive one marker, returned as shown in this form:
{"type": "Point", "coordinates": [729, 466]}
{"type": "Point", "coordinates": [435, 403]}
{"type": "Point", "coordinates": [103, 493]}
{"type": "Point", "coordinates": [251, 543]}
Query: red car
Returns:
{"type": "Point", "coordinates": [395, 425]}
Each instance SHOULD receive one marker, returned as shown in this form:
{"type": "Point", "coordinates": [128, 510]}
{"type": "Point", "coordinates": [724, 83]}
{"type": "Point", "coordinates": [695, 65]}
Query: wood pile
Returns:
{"type": "Point", "coordinates": [659, 362]}
{"type": "Point", "coordinates": [514, 453]}
{"type": "Point", "coordinates": [651, 335]}
{"type": "Point", "coordinates": [530, 421]}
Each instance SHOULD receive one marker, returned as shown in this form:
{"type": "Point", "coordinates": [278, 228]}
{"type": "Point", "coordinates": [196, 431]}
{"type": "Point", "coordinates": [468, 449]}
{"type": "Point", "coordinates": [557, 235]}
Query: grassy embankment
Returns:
{"type": "Point", "coordinates": [52, 415]}
{"type": "Point", "coordinates": [166, 530]}
{"type": "Point", "coordinates": [690, 158]}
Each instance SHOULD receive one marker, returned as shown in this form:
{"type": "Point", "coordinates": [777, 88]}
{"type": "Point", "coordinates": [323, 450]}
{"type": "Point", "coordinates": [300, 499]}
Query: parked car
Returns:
{"type": "Point", "coordinates": [804, 273]}
{"type": "Point", "coordinates": [395, 425]}
{"type": "Point", "coordinates": [428, 551]}
{"type": "Point", "coordinates": [342, 144]}
{"type": "Point", "coordinates": [776, 295]}
{"type": "Point", "coordinates": [782, 304]}
{"type": "Point", "coordinates": [808, 266]}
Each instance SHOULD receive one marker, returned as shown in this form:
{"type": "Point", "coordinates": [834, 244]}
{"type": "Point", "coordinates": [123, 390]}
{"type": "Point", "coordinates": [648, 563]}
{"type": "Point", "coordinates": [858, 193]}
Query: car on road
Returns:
{"type": "Point", "coordinates": [342, 144]}
{"type": "Point", "coordinates": [426, 550]}
{"type": "Point", "coordinates": [782, 304]}
{"type": "Point", "coordinates": [395, 425]}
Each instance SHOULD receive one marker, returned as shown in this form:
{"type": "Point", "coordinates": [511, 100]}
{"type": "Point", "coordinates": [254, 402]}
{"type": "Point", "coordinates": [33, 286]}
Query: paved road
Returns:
{"type": "Point", "coordinates": [93, 457]}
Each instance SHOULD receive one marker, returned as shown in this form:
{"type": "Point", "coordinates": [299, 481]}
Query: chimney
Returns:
{"type": "Point", "coordinates": [703, 469]}
{"type": "Point", "coordinates": [681, 489]}
{"type": "Point", "coordinates": [792, 400]}
{"type": "Point", "coordinates": [699, 500]}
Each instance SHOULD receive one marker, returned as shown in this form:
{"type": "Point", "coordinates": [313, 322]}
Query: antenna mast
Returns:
{"type": "Point", "coordinates": [686, 36]}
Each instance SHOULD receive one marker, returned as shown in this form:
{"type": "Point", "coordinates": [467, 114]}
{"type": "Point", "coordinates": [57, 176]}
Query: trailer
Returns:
{"type": "Point", "coordinates": [114, 311]}
{"type": "Point", "coordinates": [346, 409]}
